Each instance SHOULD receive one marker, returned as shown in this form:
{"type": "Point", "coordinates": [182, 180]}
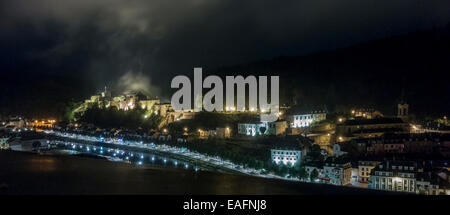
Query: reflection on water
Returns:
{"type": "Point", "coordinates": [120, 155]}
{"type": "Point", "coordinates": [42, 165]}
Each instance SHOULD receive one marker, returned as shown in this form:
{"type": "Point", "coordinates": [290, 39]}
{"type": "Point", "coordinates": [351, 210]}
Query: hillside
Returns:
{"type": "Point", "coordinates": [368, 74]}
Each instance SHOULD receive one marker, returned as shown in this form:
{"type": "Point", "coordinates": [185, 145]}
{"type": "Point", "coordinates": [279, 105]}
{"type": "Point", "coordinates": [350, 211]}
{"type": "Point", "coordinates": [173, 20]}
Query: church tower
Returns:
{"type": "Point", "coordinates": [403, 108]}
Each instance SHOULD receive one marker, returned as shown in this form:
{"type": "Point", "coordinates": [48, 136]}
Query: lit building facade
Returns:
{"type": "Point", "coordinates": [399, 176]}
{"type": "Point", "coordinates": [366, 113]}
{"type": "Point", "coordinates": [250, 129]}
{"type": "Point", "coordinates": [305, 120]}
{"type": "Point", "coordinates": [271, 128]}
{"type": "Point", "coordinates": [286, 157]}
{"type": "Point", "coordinates": [364, 170]}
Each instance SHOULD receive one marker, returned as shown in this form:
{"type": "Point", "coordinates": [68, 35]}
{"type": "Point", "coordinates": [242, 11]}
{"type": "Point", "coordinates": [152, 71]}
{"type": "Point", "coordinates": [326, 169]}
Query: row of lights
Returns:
{"type": "Point", "coordinates": [116, 152]}
{"type": "Point", "coordinates": [252, 109]}
{"type": "Point", "coordinates": [43, 121]}
{"type": "Point", "coordinates": [186, 129]}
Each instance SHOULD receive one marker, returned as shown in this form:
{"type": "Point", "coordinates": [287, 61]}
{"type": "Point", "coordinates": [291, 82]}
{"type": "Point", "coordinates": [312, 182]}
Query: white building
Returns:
{"type": "Point", "coordinates": [286, 157]}
{"type": "Point", "coordinates": [250, 129]}
{"type": "Point", "coordinates": [271, 128]}
{"type": "Point", "coordinates": [306, 119]}
{"type": "Point", "coordinates": [397, 176]}
{"type": "Point", "coordinates": [337, 151]}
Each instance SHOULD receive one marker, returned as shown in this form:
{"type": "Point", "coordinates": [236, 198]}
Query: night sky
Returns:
{"type": "Point", "coordinates": [150, 41]}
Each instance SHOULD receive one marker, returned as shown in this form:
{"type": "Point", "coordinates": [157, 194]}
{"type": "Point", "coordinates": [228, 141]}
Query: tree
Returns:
{"type": "Point", "coordinates": [314, 175]}
{"type": "Point", "coordinates": [302, 174]}
{"type": "Point", "coordinates": [36, 144]}
{"type": "Point", "coordinates": [262, 130]}
{"type": "Point", "coordinates": [112, 117]}
{"type": "Point", "coordinates": [315, 153]}
{"type": "Point", "coordinates": [70, 108]}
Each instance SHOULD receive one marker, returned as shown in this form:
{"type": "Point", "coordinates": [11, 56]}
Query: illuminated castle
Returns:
{"type": "Point", "coordinates": [130, 100]}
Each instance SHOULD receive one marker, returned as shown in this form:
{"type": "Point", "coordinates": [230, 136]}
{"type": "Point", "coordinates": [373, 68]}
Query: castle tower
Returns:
{"type": "Point", "coordinates": [106, 93]}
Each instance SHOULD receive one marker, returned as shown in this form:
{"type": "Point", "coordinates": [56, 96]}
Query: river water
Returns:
{"type": "Point", "coordinates": [32, 173]}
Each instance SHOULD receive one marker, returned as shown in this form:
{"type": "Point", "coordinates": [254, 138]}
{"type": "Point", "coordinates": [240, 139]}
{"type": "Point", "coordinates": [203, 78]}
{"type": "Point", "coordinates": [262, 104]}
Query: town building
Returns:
{"type": "Point", "coordinates": [223, 132]}
{"type": "Point", "coordinates": [263, 128]}
{"type": "Point", "coordinates": [250, 129]}
{"type": "Point", "coordinates": [310, 167]}
{"type": "Point", "coordinates": [218, 133]}
{"type": "Point", "coordinates": [204, 134]}
{"type": "Point", "coordinates": [305, 119]}
{"type": "Point", "coordinates": [429, 183]}
{"type": "Point", "coordinates": [286, 157]}
{"type": "Point", "coordinates": [337, 170]}
{"type": "Point", "coordinates": [367, 113]}
{"type": "Point", "coordinates": [16, 123]}
{"type": "Point", "coordinates": [367, 128]}
{"type": "Point", "coordinates": [364, 169]}
{"type": "Point", "coordinates": [411, 143]}
{"type": "Point", "coordinates": [276, 128]}
{"type": "Point", "coordinates": [399, 176]}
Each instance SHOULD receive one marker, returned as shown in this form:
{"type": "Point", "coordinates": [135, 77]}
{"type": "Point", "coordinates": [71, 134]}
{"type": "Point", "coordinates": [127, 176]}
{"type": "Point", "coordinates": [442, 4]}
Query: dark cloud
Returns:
{"type": "Point", "coordinates": [105, 39]}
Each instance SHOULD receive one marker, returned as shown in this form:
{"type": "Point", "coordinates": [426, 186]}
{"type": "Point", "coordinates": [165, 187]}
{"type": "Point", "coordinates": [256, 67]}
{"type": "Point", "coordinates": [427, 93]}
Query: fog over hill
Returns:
{"type": "Point", "coordinates": [369, 74]}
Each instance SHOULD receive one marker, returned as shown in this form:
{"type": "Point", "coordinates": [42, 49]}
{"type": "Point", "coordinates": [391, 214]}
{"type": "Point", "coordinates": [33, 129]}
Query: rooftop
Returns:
{"type": "Point", "coordinates": [373, 121]}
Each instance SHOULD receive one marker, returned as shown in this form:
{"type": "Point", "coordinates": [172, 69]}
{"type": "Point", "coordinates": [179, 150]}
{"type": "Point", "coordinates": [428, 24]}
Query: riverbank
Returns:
{"type": "Point", "coordinates": [29, 173]}
{"type": "Point", "coordinates": [197, 162]}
